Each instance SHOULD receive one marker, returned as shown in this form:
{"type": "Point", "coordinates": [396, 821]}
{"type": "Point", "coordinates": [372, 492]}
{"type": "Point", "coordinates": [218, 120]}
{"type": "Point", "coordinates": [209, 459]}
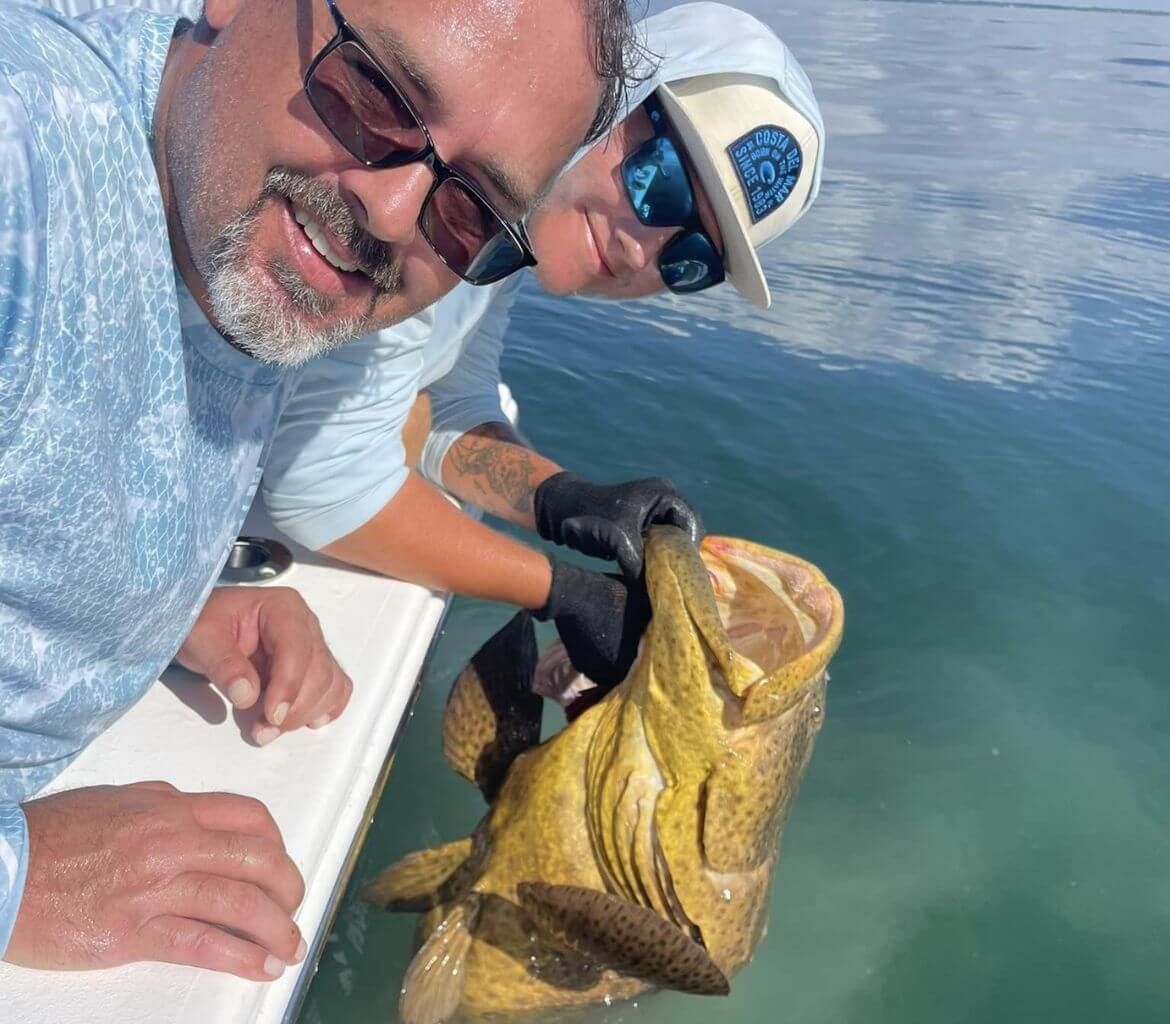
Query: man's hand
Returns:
{"type": "Point", "coordinates": [607, 521]}
{"type": "Point", "coordinates": [600, 620]}
{"type": "Point", "coordinates": [118, 874]}
{"type": "Point", "coordinates": [251, 639]}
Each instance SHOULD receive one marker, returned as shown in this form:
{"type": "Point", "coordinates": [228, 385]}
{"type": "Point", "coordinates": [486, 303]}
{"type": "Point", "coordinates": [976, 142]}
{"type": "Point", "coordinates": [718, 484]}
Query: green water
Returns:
{"type": "Point", "coordinates": [959, 408]}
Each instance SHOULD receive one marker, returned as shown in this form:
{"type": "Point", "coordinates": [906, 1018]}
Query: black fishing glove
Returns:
{"type": "Point", "coordinates": [600, 620]}
{"type": "Point", "coordinates": [608, 520]}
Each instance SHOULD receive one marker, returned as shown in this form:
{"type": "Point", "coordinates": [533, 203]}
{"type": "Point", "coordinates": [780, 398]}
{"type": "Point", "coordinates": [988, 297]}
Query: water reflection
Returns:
{"type": "Point", "coordinates": [972, 210]}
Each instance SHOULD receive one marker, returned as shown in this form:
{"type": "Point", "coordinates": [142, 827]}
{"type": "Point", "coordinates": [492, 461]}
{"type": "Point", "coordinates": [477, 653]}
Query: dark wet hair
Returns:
{"type": "Point", "coordinates": [619, 58]}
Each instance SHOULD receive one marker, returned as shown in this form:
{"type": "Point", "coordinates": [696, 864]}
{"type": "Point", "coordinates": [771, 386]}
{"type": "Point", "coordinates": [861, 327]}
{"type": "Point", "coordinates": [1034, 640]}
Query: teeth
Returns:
{"type": "Point", "coordinates": [317, 237]}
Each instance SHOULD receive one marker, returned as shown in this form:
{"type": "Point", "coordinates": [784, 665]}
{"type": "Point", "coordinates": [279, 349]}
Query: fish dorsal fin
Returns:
{"type": "Point", "coordinates": [433, 987]}
{"type": "Point", "coordinates": [492, 715]}
{"type": "Point", "coordinates": [623, 935]}
{"type": "Point", "coordinates": [415, 882]}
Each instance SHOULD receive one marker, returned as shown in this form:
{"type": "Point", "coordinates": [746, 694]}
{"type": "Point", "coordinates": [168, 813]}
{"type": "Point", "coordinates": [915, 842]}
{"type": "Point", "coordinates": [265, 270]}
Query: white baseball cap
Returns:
{"type": "Point", "coordinates": [746, 115]}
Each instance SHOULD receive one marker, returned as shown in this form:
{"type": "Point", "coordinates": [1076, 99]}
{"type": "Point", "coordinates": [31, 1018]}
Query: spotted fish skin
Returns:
{"type": "Point", "coordinates": [492, 715]}
{"type": "Point", "coordinates": [665, 801]}
{"type": "Point", "coordinates": [618, 932]}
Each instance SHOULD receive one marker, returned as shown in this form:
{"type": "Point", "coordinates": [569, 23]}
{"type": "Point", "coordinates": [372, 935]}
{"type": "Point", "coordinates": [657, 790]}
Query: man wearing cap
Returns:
{"type": "Point", "coordinates": [721, 151]}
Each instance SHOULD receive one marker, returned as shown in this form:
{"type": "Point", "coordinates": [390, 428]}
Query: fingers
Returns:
{"type": "Point", "coordinates": [319, 695]}
{"type": "Point", "coordinates": [333, 703]}
{"type": "Point", "coordinates": [179, 940]}
{"type": "Point", "coordinates": [240, 907]}
{"type": "Point", "coordinates": [321, 690]}
{"type": "Point", "coordinates": [305, 684]}
{"type": "Point", "coordinates": [602, 538]}
{"type": "Point", "coordinates": [629, 556]}
{"type": "Point", "coordinates": [227, 812]}
{"type": "Point", "coordinates": [214, 648]}
{"type": "Point", "coordinates": [235, 677]}
{"type": "Point", "coordinates": [155, 784]}
{"type": "Point", "coordinates": [672, 510]}
{"type": "Point", "coordinates": [245, 858]}
{"type": "Point", "coordinates": [289, 635]}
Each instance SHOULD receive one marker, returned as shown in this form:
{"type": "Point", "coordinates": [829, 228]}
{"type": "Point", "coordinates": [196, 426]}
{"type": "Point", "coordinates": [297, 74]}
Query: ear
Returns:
{"type": "Point", "coordinates": [219, 13]}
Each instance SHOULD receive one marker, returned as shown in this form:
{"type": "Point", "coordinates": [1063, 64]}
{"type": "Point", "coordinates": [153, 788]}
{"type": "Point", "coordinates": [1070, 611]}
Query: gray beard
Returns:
{"type": "Point", "coordinates": [265, 326]}
{"type": "Point", "coordinates": [272, 328]}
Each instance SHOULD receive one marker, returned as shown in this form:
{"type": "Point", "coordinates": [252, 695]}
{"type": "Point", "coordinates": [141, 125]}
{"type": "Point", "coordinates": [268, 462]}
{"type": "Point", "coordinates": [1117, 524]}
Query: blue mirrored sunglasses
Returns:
{"type": "Point", "coordinates": [660, 191]}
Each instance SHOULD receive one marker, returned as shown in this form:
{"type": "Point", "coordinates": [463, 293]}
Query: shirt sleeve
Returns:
{"type": "Point", "coordinates": [22, 192]}
{"type": "Point", "coordinates": [337, 456]}
{"type": "Point", "coordinates": [469, 394]}
{"type": "Point", "coordinates": [13, 867]}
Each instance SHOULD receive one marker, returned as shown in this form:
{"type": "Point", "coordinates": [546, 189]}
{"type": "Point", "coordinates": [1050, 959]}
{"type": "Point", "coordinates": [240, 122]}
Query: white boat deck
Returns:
{"type": "Point", "coordinates": [320, 787]}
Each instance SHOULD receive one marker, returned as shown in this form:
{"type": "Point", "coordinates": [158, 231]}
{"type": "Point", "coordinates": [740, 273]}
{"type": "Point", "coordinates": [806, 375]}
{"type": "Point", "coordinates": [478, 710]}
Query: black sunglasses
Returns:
{"type": "Point", "coordinates": [359, 102]}
{"type": "Point", "coordinates": [662, 195]}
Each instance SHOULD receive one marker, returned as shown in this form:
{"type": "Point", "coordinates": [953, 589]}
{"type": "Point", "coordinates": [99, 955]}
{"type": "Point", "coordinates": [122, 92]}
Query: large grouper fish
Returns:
{"type": "Point", "coordinates": [636, 847]}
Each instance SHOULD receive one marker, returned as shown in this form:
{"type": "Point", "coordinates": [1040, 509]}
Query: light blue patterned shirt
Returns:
{"type": "Point", "coordinates": [131, 433]}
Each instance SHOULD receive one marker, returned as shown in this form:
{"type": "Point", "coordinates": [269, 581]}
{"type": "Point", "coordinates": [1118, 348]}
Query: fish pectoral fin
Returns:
{"type": "Point", "coordinates": [433, 987]}
{"type": "Point", "coordinates": [492, 716]}
{"type": "Point", "coordinates": [414, 883]}
{"type": "Point", "coordinates": [623, 935]}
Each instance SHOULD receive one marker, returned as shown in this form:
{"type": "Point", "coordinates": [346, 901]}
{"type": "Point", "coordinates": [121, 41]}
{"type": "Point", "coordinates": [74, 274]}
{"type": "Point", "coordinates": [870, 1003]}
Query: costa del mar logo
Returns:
{"type": "Point", "coordinates": [768, 161]}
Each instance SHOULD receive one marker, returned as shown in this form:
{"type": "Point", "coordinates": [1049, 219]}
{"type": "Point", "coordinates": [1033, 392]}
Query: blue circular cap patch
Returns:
{"type": "Point", "coordinates": [768, 161]}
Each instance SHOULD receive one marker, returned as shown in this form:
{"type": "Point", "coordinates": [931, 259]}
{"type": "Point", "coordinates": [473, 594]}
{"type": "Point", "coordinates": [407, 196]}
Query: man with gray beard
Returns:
{"type": "Point", "coordinates": [187, 213]}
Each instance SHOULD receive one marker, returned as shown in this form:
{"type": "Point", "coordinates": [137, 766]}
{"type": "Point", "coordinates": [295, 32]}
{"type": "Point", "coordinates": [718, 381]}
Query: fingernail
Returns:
{"type": "Point", "coordinates": [273, 967]}
{"type": "Point", "coordinates": [238, 691]}
{"type": "Point", "coordinates": [279, 713]}
{"type": "Point", "coordinates": [302, 950]}
{"type": "Point", "coordinates": [317, 723]}
{"type": "Point", "coordinates": [267, 735]}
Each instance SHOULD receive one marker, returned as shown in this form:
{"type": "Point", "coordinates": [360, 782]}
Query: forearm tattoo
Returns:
{"type": "Point", "coordinates": [493, 462]}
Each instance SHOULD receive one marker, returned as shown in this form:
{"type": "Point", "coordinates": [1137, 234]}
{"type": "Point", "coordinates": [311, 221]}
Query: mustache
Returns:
{"type": "Point", "coordinates": [374, 257]}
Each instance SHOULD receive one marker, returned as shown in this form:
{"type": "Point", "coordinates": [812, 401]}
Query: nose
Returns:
{"type": "Point", "coordinates": [639, 244]}
{"type": "Point", "coordinates": [387, 203]}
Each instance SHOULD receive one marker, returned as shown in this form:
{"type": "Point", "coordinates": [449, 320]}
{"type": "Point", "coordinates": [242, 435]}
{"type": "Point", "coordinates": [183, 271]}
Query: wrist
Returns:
{"type": "Point", "coordinates": [566, 580]}
{"type": "Point", "coordinates": [539, 585]}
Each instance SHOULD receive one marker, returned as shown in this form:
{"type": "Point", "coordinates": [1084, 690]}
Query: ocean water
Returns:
{"type": "Point", "coordinates": [959, 407]}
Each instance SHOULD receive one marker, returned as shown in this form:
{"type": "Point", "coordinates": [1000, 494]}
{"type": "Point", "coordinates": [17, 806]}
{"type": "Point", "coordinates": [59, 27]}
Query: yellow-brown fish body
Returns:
{"type": "Point", "coordinates": [637, 846]}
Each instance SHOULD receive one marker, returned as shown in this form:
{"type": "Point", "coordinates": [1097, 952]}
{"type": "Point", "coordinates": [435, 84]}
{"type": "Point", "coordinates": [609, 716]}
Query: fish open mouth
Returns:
{"type": "Point", "coordinates": [779, 611]}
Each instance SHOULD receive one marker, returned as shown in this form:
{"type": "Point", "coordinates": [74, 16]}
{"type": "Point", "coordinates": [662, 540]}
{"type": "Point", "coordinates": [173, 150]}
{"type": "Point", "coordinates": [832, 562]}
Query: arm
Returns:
{"type": "Point", "coordinates": [492, 467]}
{"type": "Point", "coordinates": [459, 437]}
{"type": "Point", "coordinates": [419, 535]}
{"type": "Point", "coordinates": [337, 479]}
{"type": "Point", "coordinates": [422, 537]}
{"type": "Point", "coordinates": [481, 459]}
{"type": "Point", "coordinates": [340, 464]}
{"type": "Point", "coordinates": [468, 446]}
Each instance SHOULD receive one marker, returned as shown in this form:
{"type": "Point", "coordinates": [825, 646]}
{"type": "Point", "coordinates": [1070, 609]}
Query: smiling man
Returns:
{"type": "Point", "coordinates": [187, 213]}
{"type": "Point", "coordinates": [315, 191]}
